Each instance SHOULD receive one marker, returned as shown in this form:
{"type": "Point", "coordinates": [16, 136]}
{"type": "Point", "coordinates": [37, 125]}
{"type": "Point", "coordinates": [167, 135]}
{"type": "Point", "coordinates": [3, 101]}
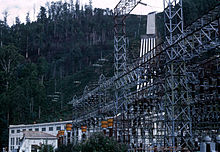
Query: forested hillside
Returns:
{"type": "Point", "coordinates": [55, 54]}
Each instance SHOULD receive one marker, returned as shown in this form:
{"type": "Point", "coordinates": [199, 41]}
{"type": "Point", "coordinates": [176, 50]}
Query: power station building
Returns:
{"type": "Point", "coordinates": [31, 136]}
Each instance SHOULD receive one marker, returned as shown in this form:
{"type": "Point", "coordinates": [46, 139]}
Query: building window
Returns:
{"type": "Point", "coordinates": [36, 129]}
{"type": "Point", "coordinates": [18, 131]}
{"type": "Point", "coordinates": [43, 129]}
{"type": "Point", "coordinates": [58, 127]}
{"type": "Point", "coordinates": [30, 129]}
{"type": "Point", "coordinates": [50, 128]}
{"type": "Point", "coordinates": [24, 129]}
{"type": "Point", "coordinates": [12, 147]}
{"type": "Point", "coordinates": [12, 141]}
{"type": "Point", "coordinates": [17, 141]}
{"type": "Point", "coordinates": [12, 131]}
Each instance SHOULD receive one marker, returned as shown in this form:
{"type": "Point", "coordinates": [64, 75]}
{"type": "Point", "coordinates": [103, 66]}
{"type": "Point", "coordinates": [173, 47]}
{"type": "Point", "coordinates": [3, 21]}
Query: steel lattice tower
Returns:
{"type": "Point", "coordinates": [178, 128]}
{"type": "Point", "coordinates": [123, 8]}
{"type": "Point", "coordinates": [119, 54]}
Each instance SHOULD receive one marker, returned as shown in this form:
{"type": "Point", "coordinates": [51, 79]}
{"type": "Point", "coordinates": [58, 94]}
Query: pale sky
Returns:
{"type": "Point", "coordinates": [21, 7]}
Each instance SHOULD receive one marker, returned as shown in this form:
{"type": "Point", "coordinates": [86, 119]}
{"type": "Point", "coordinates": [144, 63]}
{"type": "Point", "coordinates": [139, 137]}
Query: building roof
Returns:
{"type": "Point", "coordinates": [37, 134]}
{"type": "Point", "coordinates": [40, 124]}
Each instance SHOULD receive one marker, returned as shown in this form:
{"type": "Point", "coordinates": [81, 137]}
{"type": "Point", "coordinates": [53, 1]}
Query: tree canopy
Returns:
{"type": "Point", "coordinates": [97, 142]}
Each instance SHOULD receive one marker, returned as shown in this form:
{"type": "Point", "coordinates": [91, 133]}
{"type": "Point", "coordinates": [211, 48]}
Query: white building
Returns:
{"type": "Point", "coordinates": [32, 141]}
{"type": "Point", "coordinates": [16, 131]}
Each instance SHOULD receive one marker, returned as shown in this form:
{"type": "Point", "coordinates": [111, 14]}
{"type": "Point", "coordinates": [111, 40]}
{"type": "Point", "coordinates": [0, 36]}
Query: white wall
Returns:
{"type": "Point", "coordinates": [33, 127]}
{"type": "Point", "coordinates": [26, 146]}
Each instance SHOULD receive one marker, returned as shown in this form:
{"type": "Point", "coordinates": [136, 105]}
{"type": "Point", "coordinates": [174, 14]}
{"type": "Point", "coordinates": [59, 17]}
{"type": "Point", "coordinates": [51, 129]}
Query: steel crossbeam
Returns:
{"type": "Point", "coordinates": [124, 7]}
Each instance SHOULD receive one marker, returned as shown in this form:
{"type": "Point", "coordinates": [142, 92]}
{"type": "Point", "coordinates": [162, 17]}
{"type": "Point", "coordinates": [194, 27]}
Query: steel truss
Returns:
{"type": "Point", "coordinates": [178, 127]}
{"type": "Point", "coordinates": [174, 108]}
{"type": "Point", "coordinates": [123, 8]}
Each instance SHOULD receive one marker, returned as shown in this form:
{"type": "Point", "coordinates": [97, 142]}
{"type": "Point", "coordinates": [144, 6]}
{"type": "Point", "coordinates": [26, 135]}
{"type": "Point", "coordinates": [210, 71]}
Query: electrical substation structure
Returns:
{"type": "Point", "coordinates": [168, 99]}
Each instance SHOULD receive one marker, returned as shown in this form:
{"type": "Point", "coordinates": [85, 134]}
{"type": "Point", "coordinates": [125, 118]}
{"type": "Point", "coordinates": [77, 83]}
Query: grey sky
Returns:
{"type": "Point", "coordinates": [21, 7]}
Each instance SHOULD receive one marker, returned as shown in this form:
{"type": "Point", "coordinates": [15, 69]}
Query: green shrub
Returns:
{"type": "Point", "coordinates": [98, 142]}
{"type": "Point", "coordinates": [46, 148]}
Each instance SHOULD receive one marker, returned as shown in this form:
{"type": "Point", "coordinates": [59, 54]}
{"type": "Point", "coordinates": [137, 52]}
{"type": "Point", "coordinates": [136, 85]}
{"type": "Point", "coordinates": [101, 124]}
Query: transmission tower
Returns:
{"type": "Point", "coordinates": [178, 128]}
{"type": "Point", "coordinates": [121, 11]}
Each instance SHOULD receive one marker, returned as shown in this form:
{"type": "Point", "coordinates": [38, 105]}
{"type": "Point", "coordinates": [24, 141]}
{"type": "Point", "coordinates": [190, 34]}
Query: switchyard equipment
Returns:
{"type": "Point", "coordinates": [168, 99]}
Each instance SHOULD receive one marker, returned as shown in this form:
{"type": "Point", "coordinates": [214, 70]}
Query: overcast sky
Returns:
{"type": "Point", "coordinates": [21, 7]}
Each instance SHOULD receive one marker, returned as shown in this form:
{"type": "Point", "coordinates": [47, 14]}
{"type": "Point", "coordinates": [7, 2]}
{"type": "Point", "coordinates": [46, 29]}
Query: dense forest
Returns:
{"type": "Point", "coordinates": [44, 63]}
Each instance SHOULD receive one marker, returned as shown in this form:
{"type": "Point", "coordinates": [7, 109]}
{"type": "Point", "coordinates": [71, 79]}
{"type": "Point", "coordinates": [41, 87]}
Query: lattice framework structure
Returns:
{"type": "Point", "coordinates": [168, 113]}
